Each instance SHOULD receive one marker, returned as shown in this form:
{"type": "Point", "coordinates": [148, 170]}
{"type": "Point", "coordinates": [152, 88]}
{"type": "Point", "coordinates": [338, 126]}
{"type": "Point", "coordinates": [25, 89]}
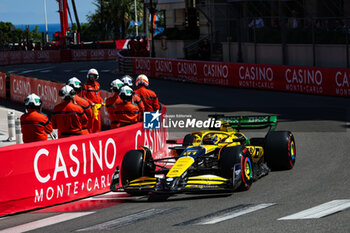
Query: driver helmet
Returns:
{"type": "Point", "coordinates": [32, 101]}
{"type": "Point", "coordinates": [142, 80]}
{"type": "Point", "coordinates": [211, 139]}
{"type": "Point", "coordinates": [126, 93]}
{"type": "Point", "coordinates": [92, 74]}
{"type": "Point", "coordinates": [67, 93]}
{"type": "Point", "coordinates": [116, 85]}
{"type": "Point", "coordinates": [75, 83]}
{"type": "Point", "coordinates": [127, 80]}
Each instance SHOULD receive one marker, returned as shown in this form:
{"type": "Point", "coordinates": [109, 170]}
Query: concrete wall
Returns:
{"type": "Point", "coordinates": [297, 54]}
{"type": "Point", "coordinates": [174, 49]}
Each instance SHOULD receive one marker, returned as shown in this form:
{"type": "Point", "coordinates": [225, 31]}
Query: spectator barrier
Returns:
{"type": "Point", "coordinates": [2, 85]}
{"type": "Point", "coordinates": [21, 87]}
{"type": "Point", "coordinates": [46, 173]}
{"type": "Point", "coordinates": [42, 174]}
{"type": "Point", "coordinates": [53, 56]}
{"type": "Point", "coordinates": [309, 80]}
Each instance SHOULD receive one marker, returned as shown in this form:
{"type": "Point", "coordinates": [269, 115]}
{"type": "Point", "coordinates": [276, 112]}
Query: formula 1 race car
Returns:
{"type": "Point", "coordinates": [221, 159]}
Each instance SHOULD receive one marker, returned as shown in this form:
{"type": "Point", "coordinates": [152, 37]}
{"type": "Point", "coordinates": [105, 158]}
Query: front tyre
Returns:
{"type": "Point", "coordinates": [231, 158]}
{"type": "Point", "coordinates": [280, 150]}
{"type": "Point", "coordinates": [135, 164]}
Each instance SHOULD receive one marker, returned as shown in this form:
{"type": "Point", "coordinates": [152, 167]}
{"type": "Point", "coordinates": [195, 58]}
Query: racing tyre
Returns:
{"type": "Point", "coordinates": [280, 150]}
{"type": "Point", "coordinates": [134, 165]}
{"type": "Point", "coordinates": [239, 156]}
{"type": "Point", "coordinates": [188, 140]}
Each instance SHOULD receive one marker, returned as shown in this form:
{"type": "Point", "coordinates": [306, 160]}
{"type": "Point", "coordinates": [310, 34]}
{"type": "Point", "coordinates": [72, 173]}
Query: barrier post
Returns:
{"type": "Point", "coordinates": [11, 125]}
{"type": "Point", "coordinates": [19, 139]}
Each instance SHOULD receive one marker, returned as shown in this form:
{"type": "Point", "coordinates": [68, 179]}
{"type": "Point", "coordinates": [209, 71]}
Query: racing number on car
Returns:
{"type": "Point", "coordinates": [189, 153]}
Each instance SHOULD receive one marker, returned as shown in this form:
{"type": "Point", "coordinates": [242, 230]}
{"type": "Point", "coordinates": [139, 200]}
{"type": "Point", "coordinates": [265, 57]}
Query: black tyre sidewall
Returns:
{"type": "Point", "coordinates": [229, 156]}
{"type": "Point", "coordinates": [131, 166]}
{"type": "Point", "coordinates": [278, 150]}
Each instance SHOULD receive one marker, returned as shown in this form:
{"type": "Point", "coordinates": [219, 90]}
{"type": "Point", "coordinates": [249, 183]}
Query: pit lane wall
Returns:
{"type": "Point", "coordinates": [42, 174]}
{"type": "Point", "coordinates": [309, 80]}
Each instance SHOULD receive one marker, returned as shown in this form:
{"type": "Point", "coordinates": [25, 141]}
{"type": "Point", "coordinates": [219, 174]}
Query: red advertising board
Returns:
{"type": "Point", "coordinates": [94, 54]}
{"type": "Point", "coordinates": [2, 85]}
{"type": "Point", "coordinates": [46, 173]}
{"type": "Point", "coordinates": [21, 87]}
{"type": "Point", "coordinates": [41, 56]}
{"type": "Point", "coordinates": [309, 80]}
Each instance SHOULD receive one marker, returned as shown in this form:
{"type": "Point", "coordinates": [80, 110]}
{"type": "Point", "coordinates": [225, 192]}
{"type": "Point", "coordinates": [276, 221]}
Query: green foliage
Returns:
{"type": "Point", "coordinates": [10, 33]}
{"type": "Point", "coordinates": [111, 20]}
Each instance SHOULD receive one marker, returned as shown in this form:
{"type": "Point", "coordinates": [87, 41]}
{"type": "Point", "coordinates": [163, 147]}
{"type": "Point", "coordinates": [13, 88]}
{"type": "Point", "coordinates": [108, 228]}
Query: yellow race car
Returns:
{"type": "Point", "coordinates": [221, 159]}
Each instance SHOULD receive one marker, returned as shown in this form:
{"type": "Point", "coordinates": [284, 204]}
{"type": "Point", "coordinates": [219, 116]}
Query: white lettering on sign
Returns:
{"type": "Point", "coordinates": [187, 68]}
{"type": "Point", "coordinates": [97, 53]}
{"type": "Point", "coordinates": [216, 71]}
{"type": "Point", "coordinates": [21, 87]}
{"type": "Point", "coordinates": [304, 76]}
{"type": "Point", "coordinates": [255, 73]}
{"type": "Point", "coordinates": [79, 53]}
{"type": "Point", "coordinates": [164, 66]}
{"type": "Point", "coordinates": [106, 155]}
{"type": "Point", "coordinates": [47, 93]}
{"type": "Point", "coordinates": [69, 189]}
{"type": "Point", "coordinates": [342, 79]}
{"type": "Point", "coordinates": [2, 83]}
{"type": "Point", "coordinates": [153, 139]}
{"type": "Point", "coordinates": [143, 64]}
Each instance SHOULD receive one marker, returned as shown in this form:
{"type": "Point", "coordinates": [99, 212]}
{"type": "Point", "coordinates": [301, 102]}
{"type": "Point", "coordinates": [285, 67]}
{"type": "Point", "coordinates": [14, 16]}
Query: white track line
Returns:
{"type": "Point", "coordinates": [45, 71]}
{"type": "Point", "coordinates": [83, 71]}
{"type": "Point", "coordinates": [126, 220]}
{"type": "Point", "coordinates": [233, 214]}
{"type": "Point", "coordinates": [45, 222]}
{"type": "Point", "coordinates": [105, 71]}
{"type": "Point", "coordinates": [320, 210]}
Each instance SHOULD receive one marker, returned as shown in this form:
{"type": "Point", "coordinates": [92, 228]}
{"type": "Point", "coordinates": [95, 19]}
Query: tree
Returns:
{"type": "Point", "coordinates": [112, 18]}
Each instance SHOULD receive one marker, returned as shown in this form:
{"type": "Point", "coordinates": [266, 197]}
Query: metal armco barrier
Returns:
{"type": "Point", "coordinates": [19, 138]}
{"type": "Point", "coordinates": [11, 126]}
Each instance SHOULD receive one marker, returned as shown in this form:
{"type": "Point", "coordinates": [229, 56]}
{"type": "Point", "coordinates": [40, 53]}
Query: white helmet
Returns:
{"type": "Point", "coordinates": [93, 73]}
{"type": "Point", "coordinates": [116, 85]}
{"type": "Point", "coordinates": [74, 82]}
{"type": "Point", "coordinates": [67, 92]}
{"type": "Point", "coordinates": [127, 80]}
{"type": "Point", "coordinates": [142, 80]}
{"type": "Point", "coordinates": [125, 92]}
{"type": "Point", "coordinates": [32, 100]}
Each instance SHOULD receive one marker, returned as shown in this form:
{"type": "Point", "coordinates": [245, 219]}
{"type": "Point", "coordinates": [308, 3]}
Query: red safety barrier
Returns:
{"type": "Point", "coordinates": [41, 174]}
{"type": "Point", "coordinates": [2, 85]}
{"type": "Point", "coordinates": [21, 87]}
{"type": "Point", "coordinates": [320, 81]}
{"type": "Point", "coordinates": [94, 54]}
{"type": "Point", "coordinates": [54, 56]}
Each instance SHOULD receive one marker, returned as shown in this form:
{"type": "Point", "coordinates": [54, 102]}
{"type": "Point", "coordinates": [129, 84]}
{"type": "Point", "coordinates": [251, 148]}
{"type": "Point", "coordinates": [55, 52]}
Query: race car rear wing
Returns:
{"type": "Point", "coordinates": [248, 122]}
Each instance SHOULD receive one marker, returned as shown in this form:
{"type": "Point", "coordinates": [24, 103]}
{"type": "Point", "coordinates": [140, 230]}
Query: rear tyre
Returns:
{"type": "Point", "coordinates": [188, 140]}
{"type": "Point", "coordinates": [280, 150]}
{"type": "Point", "coordinates": [134, 165]}
{"type": "Point", "coordinates": [237, 155]}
